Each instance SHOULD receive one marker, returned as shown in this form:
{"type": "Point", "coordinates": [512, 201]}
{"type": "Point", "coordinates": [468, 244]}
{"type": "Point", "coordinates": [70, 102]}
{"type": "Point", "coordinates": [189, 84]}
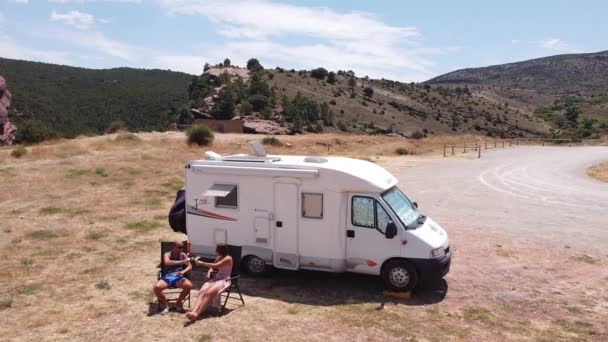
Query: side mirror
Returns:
{"type": "Point", "coordinates": [391, 230]}
{"type": "Point", "coordinates": [416, 205]}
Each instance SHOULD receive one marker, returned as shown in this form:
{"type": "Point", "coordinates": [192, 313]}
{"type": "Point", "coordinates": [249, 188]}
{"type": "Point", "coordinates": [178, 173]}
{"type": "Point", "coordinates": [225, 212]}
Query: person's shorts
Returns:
{"type": "Point", "coordinates": [172, 279]}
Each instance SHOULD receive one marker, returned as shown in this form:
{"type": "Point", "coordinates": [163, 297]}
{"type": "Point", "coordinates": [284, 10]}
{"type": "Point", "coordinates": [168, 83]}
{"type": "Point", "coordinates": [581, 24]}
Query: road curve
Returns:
{"type": "Point", "coordinates": [534, 190]}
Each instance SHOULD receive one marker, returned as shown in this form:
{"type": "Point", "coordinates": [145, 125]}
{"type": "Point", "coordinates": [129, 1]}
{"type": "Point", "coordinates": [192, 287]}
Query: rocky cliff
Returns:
{"type": "Point", "coordinates": [7, 129]}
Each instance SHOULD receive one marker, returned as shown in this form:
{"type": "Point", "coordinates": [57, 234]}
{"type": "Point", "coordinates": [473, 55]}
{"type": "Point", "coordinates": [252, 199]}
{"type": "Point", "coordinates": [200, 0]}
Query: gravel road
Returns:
{"type": "Point", "coordinates": [533, 190]}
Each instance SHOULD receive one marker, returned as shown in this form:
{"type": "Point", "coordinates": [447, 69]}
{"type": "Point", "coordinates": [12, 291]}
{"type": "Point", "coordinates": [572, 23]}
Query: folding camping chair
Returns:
{"type": "Point", "coordinates": [235, 253]}
{"type": "Point", "coordinates": [173, 292]}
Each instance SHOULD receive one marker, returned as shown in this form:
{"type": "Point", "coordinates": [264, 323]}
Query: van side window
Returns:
{"type": "Point", "coordinates": [312, 205]}
{"type": "Point", "coordinates": [368, 213]}
{"type": "Point", "coordinates": [363, 212]}
{"type": "Point", "coordinates": [228, 201]}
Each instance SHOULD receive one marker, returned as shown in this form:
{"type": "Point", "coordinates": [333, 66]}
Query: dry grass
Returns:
{"type": "Point", "coordinates": [79, 248]}
{"type": "Point", "coordinates": [599, 171]}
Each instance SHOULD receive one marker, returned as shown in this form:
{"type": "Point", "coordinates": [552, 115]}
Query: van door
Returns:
{"type": "Point", "coordinates": [286, 198]}
{"type": "Point", "coordinates": [366, 245]}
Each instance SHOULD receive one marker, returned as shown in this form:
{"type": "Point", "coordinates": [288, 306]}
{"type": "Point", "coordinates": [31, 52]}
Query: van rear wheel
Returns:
{"type": "Point", "coordinates": [400, 275]}
{"type": "Point", "coordinates": [255, 265]}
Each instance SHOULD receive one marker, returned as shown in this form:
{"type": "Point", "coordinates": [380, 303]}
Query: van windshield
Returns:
{"type": "Point", "coordinates": [401, 206]}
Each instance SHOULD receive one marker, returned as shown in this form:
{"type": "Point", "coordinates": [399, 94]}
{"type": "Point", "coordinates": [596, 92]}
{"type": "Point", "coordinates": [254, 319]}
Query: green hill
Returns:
{"type": "Point", "coordinates": [569, 92]}
{"type": "Point", "coordinates": [78, 100]}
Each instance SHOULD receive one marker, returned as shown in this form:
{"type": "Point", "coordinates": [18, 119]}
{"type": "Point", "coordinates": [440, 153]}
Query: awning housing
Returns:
{"type": "Point", "coordinates": [219, 190]}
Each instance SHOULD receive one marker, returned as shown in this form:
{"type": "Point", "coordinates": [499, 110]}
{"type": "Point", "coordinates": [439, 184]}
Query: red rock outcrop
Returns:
{"type": "Point", "coordinates": [7, 129]}
{"type": "Point", "coordinates": [261, 126]}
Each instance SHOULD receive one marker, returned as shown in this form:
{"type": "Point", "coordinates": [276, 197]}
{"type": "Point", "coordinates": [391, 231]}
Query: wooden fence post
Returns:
{"type": "Point", "coordinates": [444, 150]}
{"type": "Point", "coordinates": [479, 152]}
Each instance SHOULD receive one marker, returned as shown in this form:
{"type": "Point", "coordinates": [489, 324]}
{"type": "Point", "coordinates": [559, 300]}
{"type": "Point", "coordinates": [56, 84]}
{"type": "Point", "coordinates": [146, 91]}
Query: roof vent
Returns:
{"type": "Point", "coordinates": [257, 149]}
{"type": "Point", "coordinates": [316, 160]}
{"type": "Point", "coordinates": [210, 155]}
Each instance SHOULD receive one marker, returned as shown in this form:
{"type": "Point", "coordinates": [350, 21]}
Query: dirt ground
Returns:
{"type": "Point", "coordinates": [599, 171]}
{"type": "Point", "coordinates": [81, 221]}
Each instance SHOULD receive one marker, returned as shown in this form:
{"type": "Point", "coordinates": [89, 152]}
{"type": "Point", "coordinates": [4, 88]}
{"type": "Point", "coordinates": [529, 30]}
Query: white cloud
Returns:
{"type": "Point", "coordinates": [11, 49]}
{"type": "Point", "coordinates": [557, 44]}
{"type": "Point", "coordinates": [352, 40]}
{"type": "Point", "coordinates": [79, 20]}
{"type": "Point", "coordinates": [99, 42]}
{"type": "Point", "coordinates": [185, 63]}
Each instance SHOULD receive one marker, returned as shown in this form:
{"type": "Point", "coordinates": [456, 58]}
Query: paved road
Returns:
{"type": "Point", "coordinates": [535, 190]}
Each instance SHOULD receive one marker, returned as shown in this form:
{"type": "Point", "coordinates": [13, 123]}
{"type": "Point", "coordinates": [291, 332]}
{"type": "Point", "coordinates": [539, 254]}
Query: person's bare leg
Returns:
{"type": "Point", "coordinates": [205, 301]}
{"type": "Point", "coordinates": [199, 299]}
{"type": "Point", "coordinates": [186, 286]}
{"type": "Point", "coordinates": [160, 286]}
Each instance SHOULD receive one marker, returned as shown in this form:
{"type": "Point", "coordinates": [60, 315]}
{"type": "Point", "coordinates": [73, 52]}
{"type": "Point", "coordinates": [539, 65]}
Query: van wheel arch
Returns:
{"type": "Point", "coordinates": [399, 265]}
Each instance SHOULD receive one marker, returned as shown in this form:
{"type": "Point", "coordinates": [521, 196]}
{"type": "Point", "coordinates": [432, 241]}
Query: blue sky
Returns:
{"type": "Point", "coordinates": [402, 40]}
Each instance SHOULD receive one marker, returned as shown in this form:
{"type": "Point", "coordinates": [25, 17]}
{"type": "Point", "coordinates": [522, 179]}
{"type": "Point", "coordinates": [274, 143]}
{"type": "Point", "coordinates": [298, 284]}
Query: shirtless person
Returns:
{"type": "Point", "coordinates": [176, 265]}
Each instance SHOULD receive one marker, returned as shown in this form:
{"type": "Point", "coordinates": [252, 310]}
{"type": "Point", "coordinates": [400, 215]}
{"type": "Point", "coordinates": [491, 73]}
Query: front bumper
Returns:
{"type": "Point", "coordinates": [432, 269]}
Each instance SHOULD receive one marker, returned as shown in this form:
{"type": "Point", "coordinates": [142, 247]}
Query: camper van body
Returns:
{"type": "Point", "coordinates": [318, 213]}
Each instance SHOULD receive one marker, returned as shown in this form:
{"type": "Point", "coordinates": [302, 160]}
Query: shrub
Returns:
{"type": "Point", "coordinates": [331, 77]}
{"type": "Point", "coordinates": [332, 102]}
{"type": "Point", "coordinates": [6, 302]}
{"type": "Point", "coordinates": [272, 140]}
{"type": "Point", "coordinates": [127, 137]}
{"type": "Point", "coordinates": [200, 135]}
{"type": "Point", "coordinates": [115, 126]}
{"type": "Point", "coordinates": [259, 101]}
{"type": "Point", "coordinates": [254, 65]}
{"type": "Point", "coordinates": [402, 151]}
{"type": "Point", "coordinates": [417, 134]}
{"type": "Point", "coordinates": [95, 235]}
{"type": "Point", "coordinates": [51, 210]}
{"type": "Point", "coordinates": [368, 91]}
{"type": "Point", "coordinates": [100, 171]}
{"type": "Point", "coordinates": [246, 107]}
{"type": "Point", "coordinates": [103, 285]}
{"type": "Point", "coordinates": [19, 151]}
{"type": "Point", "coordinates": [41, 235]}
{"type": "Point", "coordinates": [34, 131]}
{"type": "Point", "coordinates": [319, 73]}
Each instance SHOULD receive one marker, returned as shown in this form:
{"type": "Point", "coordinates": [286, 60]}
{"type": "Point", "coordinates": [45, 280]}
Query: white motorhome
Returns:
{"type": "Point", "coordinates": [320, 213]}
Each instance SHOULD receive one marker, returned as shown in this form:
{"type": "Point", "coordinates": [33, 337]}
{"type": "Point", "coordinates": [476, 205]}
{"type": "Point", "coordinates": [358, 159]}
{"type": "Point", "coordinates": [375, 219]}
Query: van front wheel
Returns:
{"type": "Point", "coordinates": [255, 265]}
{"type": "Point", "coordinates": [400, 275]}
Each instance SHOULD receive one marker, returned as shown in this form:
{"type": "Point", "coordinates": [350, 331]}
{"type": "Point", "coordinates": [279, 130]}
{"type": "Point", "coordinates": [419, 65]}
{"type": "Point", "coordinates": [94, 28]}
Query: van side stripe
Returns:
{"type": "Point", "coordinates": [205, 213]}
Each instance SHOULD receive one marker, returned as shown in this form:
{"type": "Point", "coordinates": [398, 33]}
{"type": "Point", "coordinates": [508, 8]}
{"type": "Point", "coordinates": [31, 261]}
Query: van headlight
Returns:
{"type": "Point", "coordinates": [437, 253]}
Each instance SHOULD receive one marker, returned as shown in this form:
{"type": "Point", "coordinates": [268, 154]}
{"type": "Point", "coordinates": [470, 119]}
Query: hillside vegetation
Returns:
{"type": "Point", "coordinates": [75, 101]}
{"type": "Point", "coordinates": [569, 92]}
{"type": "Point", "coordinates": [317, 100]}
{"type": "Point", "coordinates": [72, 101]}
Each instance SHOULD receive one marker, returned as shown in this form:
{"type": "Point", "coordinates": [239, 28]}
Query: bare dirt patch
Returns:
{"type": "Point", "coordinates": [80, 249]}
{"type": "Point", "coordinates": [599, 171]}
